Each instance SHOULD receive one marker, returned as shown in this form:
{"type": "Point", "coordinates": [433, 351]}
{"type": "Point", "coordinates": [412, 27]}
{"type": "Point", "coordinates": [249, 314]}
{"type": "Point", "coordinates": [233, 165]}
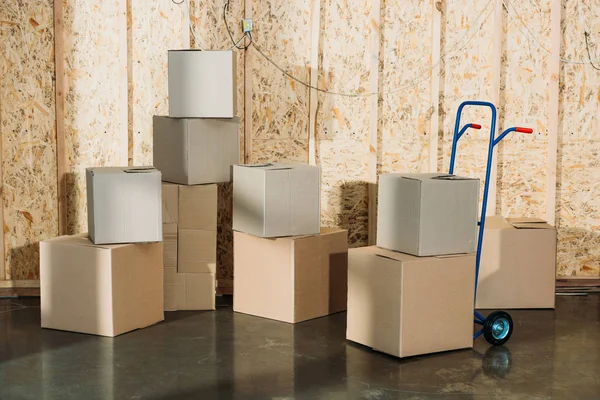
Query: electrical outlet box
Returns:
{"type": "Point", "coordinates": [247, 25]}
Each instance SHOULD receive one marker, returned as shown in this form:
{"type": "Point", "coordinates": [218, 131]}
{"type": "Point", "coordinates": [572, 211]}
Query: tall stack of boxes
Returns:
{"type": "Point", "coordinates": [110, 282]}
{"type": "Point", "coordinates": [195, 148]}
{"type": "Point", "coordinates": [287, 267]}
{"type": "Point", "coordinates": [413, 293]}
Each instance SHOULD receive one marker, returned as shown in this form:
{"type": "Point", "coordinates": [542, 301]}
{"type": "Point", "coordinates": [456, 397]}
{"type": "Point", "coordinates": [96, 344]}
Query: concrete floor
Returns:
{"type": "Point", "coordinates": [222, 355]}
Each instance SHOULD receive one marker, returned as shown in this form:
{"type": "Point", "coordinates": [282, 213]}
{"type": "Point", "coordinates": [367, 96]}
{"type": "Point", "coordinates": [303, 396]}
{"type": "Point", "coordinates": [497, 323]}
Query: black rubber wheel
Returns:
{"type": "Point", "coordinates": [498, 328]}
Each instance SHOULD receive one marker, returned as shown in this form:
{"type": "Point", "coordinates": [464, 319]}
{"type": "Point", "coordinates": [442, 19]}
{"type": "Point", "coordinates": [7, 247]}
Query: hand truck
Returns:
{"type": "Point", "coordinates": [497, 326]}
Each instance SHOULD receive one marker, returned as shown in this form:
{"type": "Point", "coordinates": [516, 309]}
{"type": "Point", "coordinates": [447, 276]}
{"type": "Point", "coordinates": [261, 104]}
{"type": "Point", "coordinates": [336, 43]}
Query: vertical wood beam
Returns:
{"type": "Point", "coordinates": [61, 156]}
{"type": "Point", "coordinates": [497, 72]}
{"type": "Point", "coordinates": [553, 112]}
{"type": "Point", "coordinates": [248, 59]}
{"type": "Point", "coordinates": [374, 43]}
{"type": "Point", "coordinates": [434, 122]}
{"type": "Point", "coordinates": [315, 34]}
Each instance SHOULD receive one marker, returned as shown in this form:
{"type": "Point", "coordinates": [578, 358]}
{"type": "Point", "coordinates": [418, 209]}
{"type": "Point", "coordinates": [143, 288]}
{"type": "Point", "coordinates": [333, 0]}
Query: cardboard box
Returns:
{"type": "Point", "coordinates": [196, 151]}
{"type": "Point", "coordinates": [124, 205]}
{"type": "Point", "coordinates": [427, 214]}
{"type": "Point", "coordinates": [197, 251]}
{"type": "Point", "coordinates": [102, 290]}
{"type": "Point", "coordinates": [186, 292]}
{"type": "Point", "coordinates": [202, 84]}
{"type": "Point", "coordinates": [276, 200]}
{"type": "Point", "coordinates": [170, 245]}
{"type": "Point", "coordinates": [190, 207]}
{"type": "Point", "coordinates": [405, 306]}
{"type": "Point", "coordinates": [291, 279]}
{"type": "Point", "coordinates": [518, 264]}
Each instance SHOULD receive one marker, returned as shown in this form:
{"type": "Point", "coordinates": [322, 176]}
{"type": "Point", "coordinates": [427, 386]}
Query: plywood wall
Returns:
{"type": "Point", "coordinates": [115, 71]}
{"type": "Point", "coordinates": [29, 191]}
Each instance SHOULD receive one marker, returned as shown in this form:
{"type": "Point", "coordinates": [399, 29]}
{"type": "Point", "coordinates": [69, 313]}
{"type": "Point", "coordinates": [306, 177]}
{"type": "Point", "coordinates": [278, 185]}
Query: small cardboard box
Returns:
{"type": "Point", "coordinates": [405, 306]}
{"type": "Point", "coordinates": [427, 214]}
{"type": "Point", "coordinates": [276, 200]}
{"type": "Point", "coordinates": [518, 264]}
{"type": "Point", "coordinates": [291, 279]}
{"type": "Point", "coordinates": [124, 205]}
{"type": "Point", "coordinates": [196, 151]}
{"type": "Point", "coordinates": [202, 84]}
{"type": "Point", "coordinates": [102, 290]}
{"type": "Point", "coordinates": [185, 292]}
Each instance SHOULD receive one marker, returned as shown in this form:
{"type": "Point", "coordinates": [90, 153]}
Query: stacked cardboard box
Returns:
{"type": "Point", "coordinates": [287, 267]}
{"type": "Point", "coordinates": [190, 240]}
{"type": "Point", "coordinates": [195, 147]}
{"type": "Point", "coordinates": [110, 281]}
{"type": "Point", "coordinates": [413, 293]}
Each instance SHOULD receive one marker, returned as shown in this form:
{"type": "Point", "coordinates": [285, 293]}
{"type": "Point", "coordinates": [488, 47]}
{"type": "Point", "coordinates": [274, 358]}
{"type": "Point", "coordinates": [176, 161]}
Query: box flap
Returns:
{"type": "Point", "coordinates": [139, 170]}
{"type": "Point", "coordinates": [496, 222]}
{"type": "Point", "coordinates": [529, 223]}
{"type": "Point", "coordinates": [433, 176]}
{"type": "Point", "coordinates": [395, 255]}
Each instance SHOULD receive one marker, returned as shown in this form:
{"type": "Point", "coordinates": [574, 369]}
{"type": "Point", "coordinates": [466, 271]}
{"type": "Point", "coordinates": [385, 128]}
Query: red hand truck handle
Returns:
{"type": "Point", "coordinates": [524, 130]}
{"type": "Point", "coordinates": [475, 126]}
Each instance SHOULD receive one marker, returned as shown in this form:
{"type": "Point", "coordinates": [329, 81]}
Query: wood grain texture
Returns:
{"type": "Point", "coordinates": [27, 127]}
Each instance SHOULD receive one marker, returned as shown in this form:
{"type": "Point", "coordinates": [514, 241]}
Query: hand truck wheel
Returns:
{"type": "Point", "coordinates": [497, 328]}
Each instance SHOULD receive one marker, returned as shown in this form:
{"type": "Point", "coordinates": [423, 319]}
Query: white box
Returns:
{"type": "Point", "coordinates": [202, 84]}
{"type": "Point", "coordinates": [276, 200]}
{"type": "Point", "coordinates": [194, 151]}
{"type": "Point", "coordinates": [124, 205]}
{"type": "Point", "coordinates": [427, 214]}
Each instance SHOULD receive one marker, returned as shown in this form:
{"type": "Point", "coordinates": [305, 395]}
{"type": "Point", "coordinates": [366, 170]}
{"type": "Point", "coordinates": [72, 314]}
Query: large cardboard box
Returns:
{"type": "Point", "coordinates": [291, 279]}
{"type": "Point", "coordinates": [124, 205]}
{"type": "Point", "coordinates": [518, 264]}
{"type": "Point", "coordinates": [276, 200]}
{"type": "Point", "coordinates": [427, 214]}
{"type": "Point", "coordinates": [194, 151]}
{"type": "Point", "coordinates": [185, 292]}
{"type": "Point", "coordinates": [202, 84]}
{"type": "Point", "coordinates": [103, 290]}
{"type": "Point", "coordinates": [405, 306]}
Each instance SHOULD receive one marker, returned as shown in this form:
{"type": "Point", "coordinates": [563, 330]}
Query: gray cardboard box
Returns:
{"type": "Point", "coordinates": [124, 205]}
{"type": "Point", "coordinates": [277, 200]}
{"type": "Point", "coordinates": [195, 151]}
{"type": "Point", "coordinates": [202, 84]}
{"type": "Point", "coordinates": [427, 214]}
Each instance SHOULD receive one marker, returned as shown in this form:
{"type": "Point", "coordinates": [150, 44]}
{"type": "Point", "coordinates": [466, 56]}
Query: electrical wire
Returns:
{"type": "Point", "coordinates": [235, 44]}
{"type": "Point", "coordinates": [426, 75]}
{"type": "Point", "coordinates": [533, 40]}
{"type": "Point", "coordinates": [192, 31]}
{"type": "Point", "coordinates": [587, 47]}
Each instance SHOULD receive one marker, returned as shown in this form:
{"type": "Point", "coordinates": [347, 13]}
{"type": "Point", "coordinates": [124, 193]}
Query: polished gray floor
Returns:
{"type": "Point", "coordinates": [222, 355]}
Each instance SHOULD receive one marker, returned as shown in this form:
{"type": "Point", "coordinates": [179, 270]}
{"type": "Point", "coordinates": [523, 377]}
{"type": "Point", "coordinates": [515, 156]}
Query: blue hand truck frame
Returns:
{"type": "Point", "coordinates": [497, 327]}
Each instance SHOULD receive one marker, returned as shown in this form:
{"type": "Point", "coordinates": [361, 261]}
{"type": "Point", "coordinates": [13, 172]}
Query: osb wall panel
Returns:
{"type": "Point", "coordinates": [404, 115]}
{"type": "Point", "coordinates": [225, 233]}
{"type": "Point", "coordinates": [280, 106]}
{"type": "Point", "coordinates": [578, 206]}
{"type": "Point", "coordinates": [154, 28]}
{"type": "Point", "coordinates": [27, 129]}
{"type": "Point", "coordinates": [467, 30]}
{"type": "Point", "coordinates": [524, 101]}
{"type": "Point", "coordinates": [96, 95]}
{"type": "Point", "coordinates": [207, 20]}
{"type": "Point", "coordinates": [342, 124]}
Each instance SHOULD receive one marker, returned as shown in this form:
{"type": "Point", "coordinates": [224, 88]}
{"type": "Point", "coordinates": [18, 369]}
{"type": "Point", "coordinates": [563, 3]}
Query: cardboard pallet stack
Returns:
{"type": "Point", "coordinates": [110, 281]}
{"type": "Point", "coordinates": [413, 293]}
{"type": "Point", "coordinates": [195, 147]}
{"type": "Point", "coordinates": [287, 267]}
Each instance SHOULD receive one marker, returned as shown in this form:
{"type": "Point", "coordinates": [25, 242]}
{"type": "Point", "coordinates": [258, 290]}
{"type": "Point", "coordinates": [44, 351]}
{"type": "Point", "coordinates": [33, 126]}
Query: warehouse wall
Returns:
{"type": "Point", "coordinates": [115, 79]}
